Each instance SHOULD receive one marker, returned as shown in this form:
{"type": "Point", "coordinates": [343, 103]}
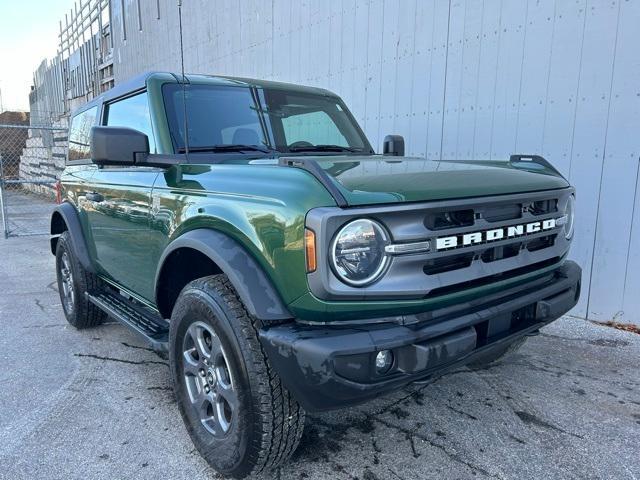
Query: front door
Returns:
{"type": "Point", "coordinates": [119, 199]}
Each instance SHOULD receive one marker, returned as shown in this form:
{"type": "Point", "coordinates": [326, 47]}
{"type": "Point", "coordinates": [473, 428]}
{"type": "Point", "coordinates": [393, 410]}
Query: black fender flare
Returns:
{"type": "Point", "coordinates": [70, 217]}
{"type": "Point", "coordinates": [248, 278]}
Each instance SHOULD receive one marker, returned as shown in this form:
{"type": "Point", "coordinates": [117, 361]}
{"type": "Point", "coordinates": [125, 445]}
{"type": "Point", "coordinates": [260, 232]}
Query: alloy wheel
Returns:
{"type": "Point", "coordinates": [68, 291]}
{"type": "Point", "coordinates": [208, 379]}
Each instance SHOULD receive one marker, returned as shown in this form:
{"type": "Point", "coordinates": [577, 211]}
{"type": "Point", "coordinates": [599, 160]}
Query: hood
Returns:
{"type": "Point", "coordinates": [378, 179]}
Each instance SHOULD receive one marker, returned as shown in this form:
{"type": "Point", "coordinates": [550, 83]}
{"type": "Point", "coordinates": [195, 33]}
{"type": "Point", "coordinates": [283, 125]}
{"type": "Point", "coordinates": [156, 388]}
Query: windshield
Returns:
{"type": "Point", "coordinates": [229, 118]}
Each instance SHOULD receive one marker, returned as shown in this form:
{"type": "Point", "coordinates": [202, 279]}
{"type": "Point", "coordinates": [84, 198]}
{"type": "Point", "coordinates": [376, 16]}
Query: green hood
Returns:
{"type": "Point", "coordinates": [377, 179]}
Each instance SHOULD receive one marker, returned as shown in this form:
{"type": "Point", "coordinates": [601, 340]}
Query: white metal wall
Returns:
{"type": "Point", "coordinates": [459, 79]}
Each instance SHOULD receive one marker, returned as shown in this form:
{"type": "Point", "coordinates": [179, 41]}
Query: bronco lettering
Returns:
{"type": "Point", "coordinates": [454, 241]}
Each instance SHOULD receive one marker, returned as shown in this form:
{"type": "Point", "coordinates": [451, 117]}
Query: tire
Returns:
{"type": "Point", "coordinates": [495, 357]}
{"type": "Point", "coordinates": [73, 282]}
{"type": "Point", "coordinates": [237, 412]}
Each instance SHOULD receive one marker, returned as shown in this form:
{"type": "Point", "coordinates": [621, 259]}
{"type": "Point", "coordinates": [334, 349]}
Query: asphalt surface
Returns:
{"type": "Point", "coordinates": [97, 404]}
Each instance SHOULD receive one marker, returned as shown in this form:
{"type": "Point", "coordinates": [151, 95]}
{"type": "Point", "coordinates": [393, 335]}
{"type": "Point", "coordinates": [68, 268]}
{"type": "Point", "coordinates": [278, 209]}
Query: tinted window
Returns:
{"type": "Point", "coordinates": [307, 119]}
{"type": "Point", "coordinates": [215, 116]}
{"type": "Point", "coordinates": [132, 112]}
{"type": "Point", "coordinates": [316, 128]}
{"type": "Point", "coordinates": [79, 134]}
{"type": "Point", "coordinates": [288, 121]}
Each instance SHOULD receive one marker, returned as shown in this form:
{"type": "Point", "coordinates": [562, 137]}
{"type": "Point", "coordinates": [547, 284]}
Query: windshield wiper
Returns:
{"type": "Point", "coordinates": [229, 148]}
{"type": "Point", "coordinates": [324, 148]}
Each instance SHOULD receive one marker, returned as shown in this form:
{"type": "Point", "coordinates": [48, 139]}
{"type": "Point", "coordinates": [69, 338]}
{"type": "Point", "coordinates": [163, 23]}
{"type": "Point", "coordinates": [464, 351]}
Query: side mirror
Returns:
{"type": "Point", "coordinates": [118, 145]}
{"type": "Point", "coordinates": [393, 145]}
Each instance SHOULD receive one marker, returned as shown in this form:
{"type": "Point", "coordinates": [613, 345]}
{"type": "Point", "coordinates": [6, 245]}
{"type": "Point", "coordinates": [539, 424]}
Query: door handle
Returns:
{"type": "Point", "coordinates": [94, 197]}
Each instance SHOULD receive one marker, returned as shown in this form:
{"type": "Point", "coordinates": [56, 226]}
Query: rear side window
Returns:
{"type": "Point", "coordinates": [132, 112]}
{"type": "Point", "coordinates": [79, 134]}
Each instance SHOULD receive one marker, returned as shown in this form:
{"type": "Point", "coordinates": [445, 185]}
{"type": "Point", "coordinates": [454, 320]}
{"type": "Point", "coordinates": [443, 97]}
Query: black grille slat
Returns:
{"type": "Point", "coordinates": [500, 253]}
{"type": "Point", "coordinates": [450, 219]}
{"type": "Point", "coordinates": [442, 265]}
{"type": "Point", "coordinates": [543, 207]}
{"type": "Point", "coordinates": [502, 213]}
{"type": "Point", "coordinates": [540, 243]}
{"type": "Point", "coordinates": [478, 282]}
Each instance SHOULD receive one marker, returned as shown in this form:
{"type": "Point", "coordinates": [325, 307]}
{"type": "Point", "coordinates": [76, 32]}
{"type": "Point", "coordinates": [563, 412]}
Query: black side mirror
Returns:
{"type": "Point", "coordinates": [118, 145]}
{"type": "Point", "coordinates": [393, 145]}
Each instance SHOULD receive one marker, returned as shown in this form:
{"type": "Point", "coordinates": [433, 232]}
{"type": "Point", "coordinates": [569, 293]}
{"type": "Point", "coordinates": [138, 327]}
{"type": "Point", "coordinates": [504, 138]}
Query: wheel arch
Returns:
{"type": "Point", "coordinates": [209, 252]}
{"type": "Point", "coordinates": [65, 218]}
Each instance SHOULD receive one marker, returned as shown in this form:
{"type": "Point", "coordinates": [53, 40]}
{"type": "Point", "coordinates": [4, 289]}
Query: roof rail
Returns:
{"type": "Point", "coordinates": [520, 158]}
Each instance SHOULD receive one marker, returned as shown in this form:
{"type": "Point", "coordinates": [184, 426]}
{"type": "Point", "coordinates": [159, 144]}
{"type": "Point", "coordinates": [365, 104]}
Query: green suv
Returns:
{"type": "Point", "coordinates": [249, 232]}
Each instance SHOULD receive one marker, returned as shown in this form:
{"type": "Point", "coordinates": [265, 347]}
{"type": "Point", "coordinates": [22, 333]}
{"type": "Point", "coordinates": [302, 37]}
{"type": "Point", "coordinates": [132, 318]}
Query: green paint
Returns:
{"type": "Point", "coordinates": [263, 207]}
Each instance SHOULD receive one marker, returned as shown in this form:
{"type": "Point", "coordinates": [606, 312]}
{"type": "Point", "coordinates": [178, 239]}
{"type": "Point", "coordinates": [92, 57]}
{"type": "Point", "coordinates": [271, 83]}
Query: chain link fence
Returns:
{"type": "Point", "coordinates": [31, 160]}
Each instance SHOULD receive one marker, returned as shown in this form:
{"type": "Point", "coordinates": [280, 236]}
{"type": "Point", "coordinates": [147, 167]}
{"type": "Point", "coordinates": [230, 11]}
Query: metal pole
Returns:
{"type": "Point", "coordinates": [5, 226]}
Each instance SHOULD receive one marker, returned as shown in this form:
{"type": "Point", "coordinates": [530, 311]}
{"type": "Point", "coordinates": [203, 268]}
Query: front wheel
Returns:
{"type": "Point", "coordinates": [237, 413]}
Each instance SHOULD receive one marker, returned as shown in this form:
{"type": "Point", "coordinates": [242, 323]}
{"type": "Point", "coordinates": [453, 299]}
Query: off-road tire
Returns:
{"type": "Point", "coordinates": [79, 312]}
{"type": "Point", "coordinates": [498, 355]}
{"type": "Point", "coordinates": [268, 425]}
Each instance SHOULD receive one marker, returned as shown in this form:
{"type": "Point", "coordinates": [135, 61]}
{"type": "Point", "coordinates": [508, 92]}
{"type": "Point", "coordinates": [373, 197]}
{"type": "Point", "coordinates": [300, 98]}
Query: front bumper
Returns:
{"type": "Point", "coordinates": [327, 367]}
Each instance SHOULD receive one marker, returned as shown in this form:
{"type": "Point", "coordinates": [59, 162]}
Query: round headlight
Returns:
{"type": "Point", "coordinates": [569, 212]}
{"type": "Point", "coordinates": [357, 252]}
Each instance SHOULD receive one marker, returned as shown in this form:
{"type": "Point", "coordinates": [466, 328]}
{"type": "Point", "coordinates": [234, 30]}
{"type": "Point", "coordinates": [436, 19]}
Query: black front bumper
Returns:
{"type": "Point", "coordinates": [327, 367]}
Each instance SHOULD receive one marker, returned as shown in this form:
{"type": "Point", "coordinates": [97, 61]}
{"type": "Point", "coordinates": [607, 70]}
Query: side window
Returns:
{"type": "Point", "coordinates": [79, 134]}
{"type": "Point", "coordinates": [132, 112]}
{"type": "Point", "coordinates": [315, 127]}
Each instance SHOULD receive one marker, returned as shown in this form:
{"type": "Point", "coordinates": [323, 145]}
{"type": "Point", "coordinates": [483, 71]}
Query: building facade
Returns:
{"type": "Point", "coordinates": [474, 79]}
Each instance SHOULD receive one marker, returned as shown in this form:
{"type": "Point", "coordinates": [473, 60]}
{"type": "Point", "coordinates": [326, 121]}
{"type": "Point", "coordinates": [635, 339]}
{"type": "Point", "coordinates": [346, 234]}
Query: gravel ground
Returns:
{"type": "Point", "coordinates": [98, 404]}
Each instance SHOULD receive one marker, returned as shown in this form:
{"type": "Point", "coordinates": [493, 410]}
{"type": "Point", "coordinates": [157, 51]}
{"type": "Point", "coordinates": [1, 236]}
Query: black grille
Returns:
{"type": "Point", "coordinates": [542, 207]}
{"type": "Point", "coordinates": [500, 253]}
{"type": "Point", "coordinates": [451, 219]}
{"type": "Point", "coordinates": [502, 213]}
{"type": "Point", "coordinates": [542, 242]}
{"type": "Point", "coordinates": [478, 282]}
{"type": "Point", "coordinates": [448, 264]}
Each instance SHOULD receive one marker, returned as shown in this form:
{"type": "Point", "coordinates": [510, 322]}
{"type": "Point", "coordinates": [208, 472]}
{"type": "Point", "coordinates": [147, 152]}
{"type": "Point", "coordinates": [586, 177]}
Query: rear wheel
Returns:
{"type": "Point", "coordinates": [73, 282]}
{"type": "Point", "coordinates": [236, 411]}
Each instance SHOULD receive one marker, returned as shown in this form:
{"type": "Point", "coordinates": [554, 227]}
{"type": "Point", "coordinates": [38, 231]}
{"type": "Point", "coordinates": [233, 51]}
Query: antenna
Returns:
{"type": "Point", "coordinates": [184, 80]}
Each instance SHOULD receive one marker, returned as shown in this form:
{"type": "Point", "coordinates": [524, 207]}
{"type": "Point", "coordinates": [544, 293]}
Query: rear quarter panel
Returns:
{"type": "Point", "coordinates": [74, 182]}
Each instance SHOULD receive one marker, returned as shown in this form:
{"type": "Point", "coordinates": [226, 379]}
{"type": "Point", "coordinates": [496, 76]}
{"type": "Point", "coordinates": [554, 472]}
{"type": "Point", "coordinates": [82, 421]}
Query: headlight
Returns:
{"type": "Point", "coordinates": [357, 252]}
{"type": "Point", "coordinates": [569, 213]}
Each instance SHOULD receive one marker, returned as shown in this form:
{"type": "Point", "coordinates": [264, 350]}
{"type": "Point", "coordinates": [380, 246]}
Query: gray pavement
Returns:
{"type": "Point", "coordinates": [27, 212]}
{"type": "Point", "coordinates": [98, 404]}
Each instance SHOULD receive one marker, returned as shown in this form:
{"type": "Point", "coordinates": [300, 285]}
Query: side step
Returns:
{"type": "Point", "coordinates": [138, 318]}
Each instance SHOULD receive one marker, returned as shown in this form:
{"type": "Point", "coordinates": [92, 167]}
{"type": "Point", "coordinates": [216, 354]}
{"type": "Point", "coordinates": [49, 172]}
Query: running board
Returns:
{"type": "Point", "coordinates": [139, 319]}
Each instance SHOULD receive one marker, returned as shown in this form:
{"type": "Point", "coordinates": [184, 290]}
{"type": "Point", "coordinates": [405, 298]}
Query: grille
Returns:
{"type": "Point", "coordinates": [485, 217]}
{"type": "Point", "coordinates": [478, 282]}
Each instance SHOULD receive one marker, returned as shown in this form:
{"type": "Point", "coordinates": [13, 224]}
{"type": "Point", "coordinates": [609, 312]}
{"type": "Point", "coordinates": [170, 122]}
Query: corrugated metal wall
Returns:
{"type": "Point", "coordinates": [459, 79]}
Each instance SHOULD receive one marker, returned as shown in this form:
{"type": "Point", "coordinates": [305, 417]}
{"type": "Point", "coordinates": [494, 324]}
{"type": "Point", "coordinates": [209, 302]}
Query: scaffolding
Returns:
{"type": "Point", "coordinates": [83, 66]}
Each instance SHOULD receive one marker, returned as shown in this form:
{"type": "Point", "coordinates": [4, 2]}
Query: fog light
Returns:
{"type": "Point", "coordinates": [384, 360]}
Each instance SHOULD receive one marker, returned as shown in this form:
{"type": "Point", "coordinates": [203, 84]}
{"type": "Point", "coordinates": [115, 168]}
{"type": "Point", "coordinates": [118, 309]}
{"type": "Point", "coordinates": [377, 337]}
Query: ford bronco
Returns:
{"type": "Point", "coordinates": [249, 232]}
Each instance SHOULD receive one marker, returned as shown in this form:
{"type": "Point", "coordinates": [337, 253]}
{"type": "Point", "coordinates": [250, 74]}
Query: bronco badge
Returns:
{"type": "Point", "coordinates": [472, 238]}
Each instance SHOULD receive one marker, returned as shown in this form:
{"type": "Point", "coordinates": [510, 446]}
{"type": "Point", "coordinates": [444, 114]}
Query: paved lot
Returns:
{"type": "Point", "coordinates": [97, 404]}
{"type": "Point", "coordinates": [27, 213]}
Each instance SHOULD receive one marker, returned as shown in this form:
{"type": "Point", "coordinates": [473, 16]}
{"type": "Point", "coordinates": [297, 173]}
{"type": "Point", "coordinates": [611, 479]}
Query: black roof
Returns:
{"type": "Point", "coordinates": [139, 82]}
